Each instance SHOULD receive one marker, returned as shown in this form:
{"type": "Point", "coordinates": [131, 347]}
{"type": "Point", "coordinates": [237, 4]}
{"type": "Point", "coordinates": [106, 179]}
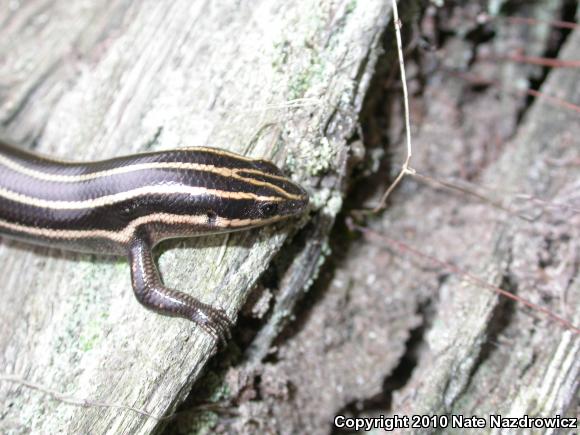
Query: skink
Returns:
{"type": "Point", "coordinates": [126, 205]}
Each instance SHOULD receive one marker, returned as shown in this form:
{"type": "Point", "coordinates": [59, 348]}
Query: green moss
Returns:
{"type": "Point", "coordinates": [299, 85]}
{"type": "Point", "coordinates": [87, 343]}
{"type": "Point", "coordinates": [214, 389]}
{"type": "Point", "coordinates": [334, 204]}
{"type": "Point", "coordinates": [92, 333]}
{"type": "Point", "coordinates": [351, 6]}
{"type": "Point", "coordinates": [303, 80]}
{"type": "Point", "coordinates": [315, 158]}
{"type": "Point", "coordinates": [121, 264]}
{"type": "Point", "coordinates": [202, 423]}
{"type": "Point", "coordinates": [210, 389]}
{"type": "Point", "coordinates": [280, 62]}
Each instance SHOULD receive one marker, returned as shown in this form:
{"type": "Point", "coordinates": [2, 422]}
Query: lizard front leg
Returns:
{"type": "Point", "coordinates": [151, 292]}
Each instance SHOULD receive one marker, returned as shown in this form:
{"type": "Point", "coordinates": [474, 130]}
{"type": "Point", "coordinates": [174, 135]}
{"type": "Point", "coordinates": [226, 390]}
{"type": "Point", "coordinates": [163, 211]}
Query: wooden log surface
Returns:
{"type": "Point", "coordinates": [385, 330]}
{"type": "Point", "coordinates": [488, 355]}
{"type": "Point", "coordinates": [404, 320]}
{"type": "Point", "coordinates": [89, 80]}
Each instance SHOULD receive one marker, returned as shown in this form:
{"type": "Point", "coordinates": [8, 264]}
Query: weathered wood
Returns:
{"type": "Point", "coordinates": [487, 355]}
{"type": "Point", "coordinates": [86, 80]}
{"type": "Point", "coordinates": [388, 330]}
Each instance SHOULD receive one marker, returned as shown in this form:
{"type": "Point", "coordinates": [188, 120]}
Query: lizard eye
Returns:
{"type": "Point", "coordinates": [268, 208]}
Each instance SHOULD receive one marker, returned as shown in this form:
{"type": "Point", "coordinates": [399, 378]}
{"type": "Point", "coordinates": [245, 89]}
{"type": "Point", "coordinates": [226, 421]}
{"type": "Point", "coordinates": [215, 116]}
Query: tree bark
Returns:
{"type": "Point", "coordinates": [91, 80]}
{"type": "Point", "coordinates": [394, 323]}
